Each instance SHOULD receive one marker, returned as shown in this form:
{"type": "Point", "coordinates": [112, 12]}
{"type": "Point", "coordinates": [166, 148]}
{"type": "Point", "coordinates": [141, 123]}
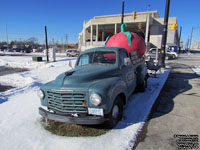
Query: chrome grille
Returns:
{"type": "Point", "coordinates": [67, 101]}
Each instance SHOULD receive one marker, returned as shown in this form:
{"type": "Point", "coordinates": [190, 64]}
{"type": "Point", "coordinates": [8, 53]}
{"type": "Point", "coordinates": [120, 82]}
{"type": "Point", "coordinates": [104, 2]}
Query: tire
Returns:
{"type": "Point", "coordinates": [143, 86]}
{"type": "Point", "coordinates": [116, 113]}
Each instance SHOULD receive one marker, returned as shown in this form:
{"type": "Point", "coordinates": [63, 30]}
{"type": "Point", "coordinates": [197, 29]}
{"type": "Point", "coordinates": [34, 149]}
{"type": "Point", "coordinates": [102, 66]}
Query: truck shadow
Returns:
{"type": "Point", "coordinates": [177, 83]}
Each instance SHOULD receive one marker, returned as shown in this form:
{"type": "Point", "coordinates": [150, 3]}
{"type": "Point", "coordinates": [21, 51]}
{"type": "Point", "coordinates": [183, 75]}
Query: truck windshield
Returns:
{"type": "Point", "coordinates": [100, 57]}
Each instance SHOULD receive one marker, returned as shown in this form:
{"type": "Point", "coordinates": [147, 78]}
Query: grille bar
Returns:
{"type": "Point", "coordinates": [68, 102]}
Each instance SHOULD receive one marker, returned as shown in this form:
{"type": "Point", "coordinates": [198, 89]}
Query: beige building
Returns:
{"type": "Point", "coordinates": [96, 30]}
{"type": "Point", "coordinates": [196, 45]}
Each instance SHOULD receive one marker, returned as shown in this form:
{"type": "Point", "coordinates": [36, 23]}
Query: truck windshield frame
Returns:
{"type": "Point", "coordinates": [97, 57]}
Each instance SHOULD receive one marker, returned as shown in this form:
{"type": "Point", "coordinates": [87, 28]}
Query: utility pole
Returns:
{"type": "Point", "coordinates": [164, 35]}
{"type": "Point", "coordinates": [47, 51]}
{"type": "Point", "coordinates": [53, 42]}
{"type": "Point", "coordinates": [179, 40]}
{"type": "Point", "coordinates": [122, 13]}
{"type": "Point", "coordinates": [190, 46]}
{"type": "Point", "coordinates": [66, 40]}
{"type": "Point", "coordinates": [7, 36]}
{"type": "Point", "coordinates": [188, 42]}
{"type": "Point", "coordinates": [62, 43]}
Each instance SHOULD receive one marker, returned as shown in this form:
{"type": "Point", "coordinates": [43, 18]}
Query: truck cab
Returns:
{"type": "Point", "coordinates": [96, 90]}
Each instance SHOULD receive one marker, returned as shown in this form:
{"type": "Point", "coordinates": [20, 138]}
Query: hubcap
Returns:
{"type": "Point", "coordinates": [115, 111]}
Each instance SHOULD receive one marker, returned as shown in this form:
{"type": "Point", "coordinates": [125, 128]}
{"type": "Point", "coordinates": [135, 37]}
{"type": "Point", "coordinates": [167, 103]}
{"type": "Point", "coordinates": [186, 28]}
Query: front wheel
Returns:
{"type": "Point", "coordinates": [116, 113]}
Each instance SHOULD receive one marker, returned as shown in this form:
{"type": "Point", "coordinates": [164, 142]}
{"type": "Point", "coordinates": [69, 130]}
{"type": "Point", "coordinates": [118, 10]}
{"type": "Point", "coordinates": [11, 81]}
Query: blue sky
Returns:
{"type": "Point", "coordinates": [27, 18]}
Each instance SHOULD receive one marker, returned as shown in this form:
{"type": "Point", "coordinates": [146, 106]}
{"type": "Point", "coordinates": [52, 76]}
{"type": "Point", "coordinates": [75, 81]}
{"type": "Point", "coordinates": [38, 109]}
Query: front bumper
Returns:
{"type": "Point", "coordinates": [84, 120]}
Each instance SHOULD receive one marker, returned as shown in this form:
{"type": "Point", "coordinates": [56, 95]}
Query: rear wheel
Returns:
{"type": "Point", "coordinates": [116, 113]}
{"type": "Point", "coordinates": [143, 86]}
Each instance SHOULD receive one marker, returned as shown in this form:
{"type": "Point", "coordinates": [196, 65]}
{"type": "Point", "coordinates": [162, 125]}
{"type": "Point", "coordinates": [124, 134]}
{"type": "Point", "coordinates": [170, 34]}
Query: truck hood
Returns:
{"type": "Point", "coordinates": [86, 74]}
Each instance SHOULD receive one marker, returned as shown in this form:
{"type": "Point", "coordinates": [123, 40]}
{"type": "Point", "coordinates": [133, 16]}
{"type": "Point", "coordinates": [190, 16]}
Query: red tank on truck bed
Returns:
{"type": "Point", "coordinates": [128, 40]}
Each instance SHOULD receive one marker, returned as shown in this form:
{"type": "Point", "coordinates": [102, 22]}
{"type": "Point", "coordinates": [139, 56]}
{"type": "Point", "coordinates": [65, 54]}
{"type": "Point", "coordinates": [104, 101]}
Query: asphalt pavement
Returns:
{"type": "Point", "coordinates": [8, 70]}
{"type": "Point", "coordinates": [176, 113]}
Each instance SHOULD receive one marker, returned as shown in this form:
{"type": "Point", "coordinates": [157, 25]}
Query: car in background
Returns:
{"type": "Point", "coordinates": [173, 53]}
{"type": "Point", "coordinates": [184, 51]}
{"type": "Point", "coordinates": [16, 49]}
{"type": "Point", "coordinates": [72, 53]}
{"type": "Point", "coordinates": [25, 50]}
{"type": "Point", "coordinates": [9, 50]}
{"type": "Point", "coordinates": [151, 54]}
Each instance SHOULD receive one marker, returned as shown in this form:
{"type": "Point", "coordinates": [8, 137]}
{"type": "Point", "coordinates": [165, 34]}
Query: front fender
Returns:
{"type": "Point", "coordinates": [108, 89]}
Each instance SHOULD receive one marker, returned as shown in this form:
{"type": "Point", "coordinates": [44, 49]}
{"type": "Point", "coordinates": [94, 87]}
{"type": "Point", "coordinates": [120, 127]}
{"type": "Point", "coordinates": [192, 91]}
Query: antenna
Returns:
{"type": "Point", "coordinates": [122, 12]}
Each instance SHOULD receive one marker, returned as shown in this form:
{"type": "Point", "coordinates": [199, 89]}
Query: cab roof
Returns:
{"type": "Point", "coordinates": [116, 49]}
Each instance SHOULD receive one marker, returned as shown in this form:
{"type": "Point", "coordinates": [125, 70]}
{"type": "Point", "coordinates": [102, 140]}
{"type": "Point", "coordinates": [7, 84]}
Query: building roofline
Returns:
{"type": "Point", "coordinates": [155, 15]}
{"type": "Point", "coordinates": [127, 14]}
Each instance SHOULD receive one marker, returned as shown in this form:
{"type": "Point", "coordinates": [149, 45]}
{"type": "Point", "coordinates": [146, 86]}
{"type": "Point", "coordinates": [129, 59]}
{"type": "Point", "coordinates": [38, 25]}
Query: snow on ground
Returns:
{"type": "Point", "coordinates": [39, 71]}
{"type": "Point", "coordinates": [26, 62]}
{"type": "Point", "coordinates": [20, 126]}
{"type": "Point", "coordinates": [196, 69]}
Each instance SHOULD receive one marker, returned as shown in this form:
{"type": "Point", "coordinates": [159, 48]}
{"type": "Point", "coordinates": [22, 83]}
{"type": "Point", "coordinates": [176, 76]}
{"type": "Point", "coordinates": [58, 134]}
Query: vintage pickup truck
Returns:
{"type": "Point", "coordinates": [96, 90]}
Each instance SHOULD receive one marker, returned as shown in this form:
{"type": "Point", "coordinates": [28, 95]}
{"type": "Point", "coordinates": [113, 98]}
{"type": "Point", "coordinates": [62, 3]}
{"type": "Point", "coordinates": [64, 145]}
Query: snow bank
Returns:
{"type": "Point", "coordinates": [20, 121]}
{"type": "Point", "coordinates": [39, 71]}
{"type": "Point", "coordinates": [196, 69]}
{"type": "Point", "coordinates": [26, 62]}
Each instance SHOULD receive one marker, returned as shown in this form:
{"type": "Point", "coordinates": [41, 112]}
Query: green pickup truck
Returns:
{"type": "Point", "coordinates": [96, 90]}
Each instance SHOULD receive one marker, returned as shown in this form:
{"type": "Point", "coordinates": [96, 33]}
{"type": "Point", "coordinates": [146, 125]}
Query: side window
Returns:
{"type": "Point", "coordinates": [84, 60]}
{"type": "Point", "coordinates": [153, 51]}
{"type": "Point", "coordinates": [122, 56]}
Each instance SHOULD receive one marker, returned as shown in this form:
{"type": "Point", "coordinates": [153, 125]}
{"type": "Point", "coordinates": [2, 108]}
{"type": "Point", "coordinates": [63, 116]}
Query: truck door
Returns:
{"type": "Point", "coordinates": [127, 73]}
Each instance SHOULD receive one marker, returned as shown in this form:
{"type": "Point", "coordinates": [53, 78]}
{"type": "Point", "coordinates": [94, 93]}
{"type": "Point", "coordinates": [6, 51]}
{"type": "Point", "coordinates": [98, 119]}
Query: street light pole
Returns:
{"type": "Point", "coordinates": [179, 41]}
{"type": "Point", "coordinates": [122, 21]}
{"type": "Point", "coordinates": [164, 35]}
{"type": "Point", "coordinates": [47, 53]}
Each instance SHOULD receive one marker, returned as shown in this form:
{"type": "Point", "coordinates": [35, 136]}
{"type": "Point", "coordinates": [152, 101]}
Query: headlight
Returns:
{"type": "Point", "coordinates": [95, 99]}
{"type": "Point", "coordinates": [40, 94]}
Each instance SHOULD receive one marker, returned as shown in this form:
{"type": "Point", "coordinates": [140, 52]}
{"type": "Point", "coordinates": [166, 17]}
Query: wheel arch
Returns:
{"type": "Point", "coordinates": [123, 97]}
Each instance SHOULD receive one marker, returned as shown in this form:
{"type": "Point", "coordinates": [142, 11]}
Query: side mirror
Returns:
{"type": "Point", "coordinates": [70, 64]}
{"type": "Point", "coordinates": [127, 61]}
